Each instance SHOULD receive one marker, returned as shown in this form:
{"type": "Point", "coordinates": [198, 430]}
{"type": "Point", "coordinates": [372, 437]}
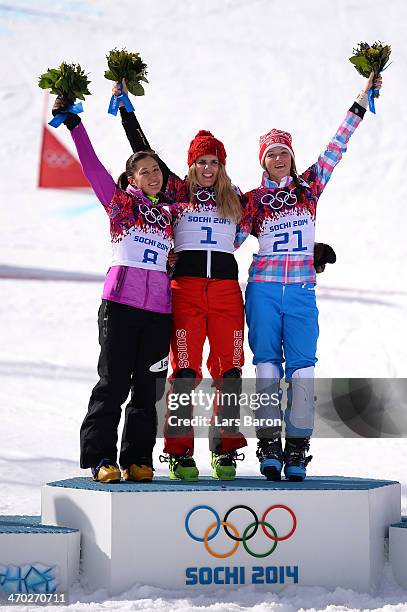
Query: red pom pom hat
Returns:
{"type": "Point", "coordinates": [274, 138]}
{"type": "Point", "coordinates": [205, 143]}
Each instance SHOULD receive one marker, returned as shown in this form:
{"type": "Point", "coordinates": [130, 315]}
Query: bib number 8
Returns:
{"type": "Point", "coordinates": [150, 256]}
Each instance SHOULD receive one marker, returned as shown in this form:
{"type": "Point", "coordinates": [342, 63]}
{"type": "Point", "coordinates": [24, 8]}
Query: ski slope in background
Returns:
{"type": "Point", "coordinates": [238, 68]}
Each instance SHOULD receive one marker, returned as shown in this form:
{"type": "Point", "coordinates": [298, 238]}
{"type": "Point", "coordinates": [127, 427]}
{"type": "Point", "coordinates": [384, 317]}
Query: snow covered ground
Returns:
{"type": "Point", "coordinates": [237, 67]}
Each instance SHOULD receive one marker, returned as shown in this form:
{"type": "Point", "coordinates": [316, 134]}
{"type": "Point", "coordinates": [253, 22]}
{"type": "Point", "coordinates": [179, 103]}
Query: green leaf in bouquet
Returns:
{"type": "Point", "coordinates": [362, 65]}
{"type": "Point", "coordinates": [123, 64]}
{"type": "Point", "coordinates": [68, 81]}
{"type": "Point", "coordinates": [132, 75]}
{"type": "Point", "coordinates": [135, 88]}
{"type": "Point", "coordinates": [109, 75]}
{"type": "Point", "coordinates": [376, 56]}
{"type": "Point", "coordinates": [371, 57]}
{"type": "Point", "coordinates": [44, 82]}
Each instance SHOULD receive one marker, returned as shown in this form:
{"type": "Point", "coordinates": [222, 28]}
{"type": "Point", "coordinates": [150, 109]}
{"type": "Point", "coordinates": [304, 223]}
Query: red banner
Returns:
{"type": "Point", "coordinates": [58, 168]}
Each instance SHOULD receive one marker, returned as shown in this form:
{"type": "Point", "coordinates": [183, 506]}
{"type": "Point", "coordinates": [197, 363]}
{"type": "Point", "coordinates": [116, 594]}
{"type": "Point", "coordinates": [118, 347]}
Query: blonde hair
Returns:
{"type": "Point", "coordinates": [227, 200]}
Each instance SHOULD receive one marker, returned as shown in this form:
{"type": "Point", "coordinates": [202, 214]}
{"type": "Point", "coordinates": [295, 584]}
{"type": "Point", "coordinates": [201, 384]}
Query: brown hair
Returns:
{"type": "Point", "coordinates": [227, 200]}
{"type": "Point", "coordinates": [296, 179]}
{"type": "Point", "coordinates": [131, 164]}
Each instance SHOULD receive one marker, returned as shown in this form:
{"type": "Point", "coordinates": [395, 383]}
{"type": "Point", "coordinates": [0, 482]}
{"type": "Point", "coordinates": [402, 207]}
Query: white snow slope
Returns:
{"type": "Point", "coordinates": [238, 68]}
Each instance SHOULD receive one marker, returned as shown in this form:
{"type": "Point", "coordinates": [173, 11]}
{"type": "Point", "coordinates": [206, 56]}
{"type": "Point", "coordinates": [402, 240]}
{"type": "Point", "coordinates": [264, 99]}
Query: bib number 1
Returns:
{"type": "Point", "coordinates": [208, 239]}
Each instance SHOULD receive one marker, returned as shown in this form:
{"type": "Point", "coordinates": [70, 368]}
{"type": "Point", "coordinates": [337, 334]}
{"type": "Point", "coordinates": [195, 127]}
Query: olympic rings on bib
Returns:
{"type": "Point", "coordinates": [277, 201]}
{"type": "Point", "coordinates": [248, 532]}
{"type": "Point", "coordinates": [202, 195]}
{"type": "Point", "coordinates": [154, 215]}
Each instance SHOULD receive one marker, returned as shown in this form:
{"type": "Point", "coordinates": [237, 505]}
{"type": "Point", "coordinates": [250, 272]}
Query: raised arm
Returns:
{"type": "Point", "coordinates": [135, 135]}
{"type": "Point", "coordinates": [319, 173]}
{"type": "Point", "coordinates": [101, 181]}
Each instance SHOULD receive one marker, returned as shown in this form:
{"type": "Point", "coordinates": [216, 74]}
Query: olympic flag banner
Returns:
{"type": "Point", "coordinates": [324, 531]}
{"type": "Point", "coordinates": [58, 167]}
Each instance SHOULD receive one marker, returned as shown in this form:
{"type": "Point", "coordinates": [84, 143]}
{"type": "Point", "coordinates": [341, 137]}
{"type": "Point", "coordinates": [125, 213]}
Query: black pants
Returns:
{"type": "Point", "coordinates": [134, 347]}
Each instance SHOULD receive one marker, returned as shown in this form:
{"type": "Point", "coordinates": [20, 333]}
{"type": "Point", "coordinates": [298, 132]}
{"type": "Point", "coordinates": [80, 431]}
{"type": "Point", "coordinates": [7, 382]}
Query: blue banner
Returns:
{"type": "Point", "coordinates": [370, 96]}
{"type": "Point", "coordinates": [115, 102]}
{"type": "Point", "coordinates": [60, 118]}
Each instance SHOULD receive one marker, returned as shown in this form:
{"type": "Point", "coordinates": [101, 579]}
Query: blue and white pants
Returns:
{"type": "Point", "coordinates": [283, 328]}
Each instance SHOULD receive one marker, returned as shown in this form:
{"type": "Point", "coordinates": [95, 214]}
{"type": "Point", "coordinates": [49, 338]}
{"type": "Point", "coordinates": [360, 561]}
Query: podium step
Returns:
{"type": "Point", "coordinates": [242, 483]}
{"type": "Point", "coordinates": [326, 531]}
{"type": "Point", "coordinates": [398, 551]}
{"type": "Point", "coordinates": [36, 558]}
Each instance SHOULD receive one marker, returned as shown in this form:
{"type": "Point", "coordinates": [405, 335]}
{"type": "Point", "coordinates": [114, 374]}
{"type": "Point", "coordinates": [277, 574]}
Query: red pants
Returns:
{"type": "Point", "coordinates": [206, 308]}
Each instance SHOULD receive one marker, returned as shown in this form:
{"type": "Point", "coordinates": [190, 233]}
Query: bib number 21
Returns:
{"type": "Point", "coordinates": [278, 246]}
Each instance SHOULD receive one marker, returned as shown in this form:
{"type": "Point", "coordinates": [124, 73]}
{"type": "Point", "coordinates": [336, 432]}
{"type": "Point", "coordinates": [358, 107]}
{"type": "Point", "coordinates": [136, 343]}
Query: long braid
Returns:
{"type": "Point", "coordinates": [296, 181]}
{"type": "Point", "coordinates": [299, 190]}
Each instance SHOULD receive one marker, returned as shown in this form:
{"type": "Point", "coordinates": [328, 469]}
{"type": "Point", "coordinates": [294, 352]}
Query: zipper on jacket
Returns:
{"type": "Point", "coordinates": [208, 264]}
{"type": "Point", "coordinates": [147, 285]}
{"type": "Point", "coordinates": [286, 269]}
{"type": "Point", "coordinates": [120, 278]}
{"type": "Point", "coordinates": [105, 319]}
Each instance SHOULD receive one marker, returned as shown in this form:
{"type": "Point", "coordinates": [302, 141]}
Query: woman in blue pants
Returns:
{"type": "Point", "coordinates": [281, 310]}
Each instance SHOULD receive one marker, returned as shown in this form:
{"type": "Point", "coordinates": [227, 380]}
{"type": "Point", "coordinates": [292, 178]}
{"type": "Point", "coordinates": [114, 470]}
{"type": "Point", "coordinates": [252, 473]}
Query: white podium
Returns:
{"type": "Point", "coordinates": [398, 551]}
{"type": "Point", "coordinates": [326, 531]}
{"type": "Point", "coordinates": [35, 558]}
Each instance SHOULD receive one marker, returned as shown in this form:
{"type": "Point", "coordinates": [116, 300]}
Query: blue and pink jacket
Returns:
{"type": "Point", "coordinates": [283, 217]}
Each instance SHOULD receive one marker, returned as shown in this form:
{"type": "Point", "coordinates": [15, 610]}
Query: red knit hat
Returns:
{"type": "Point", "coordinates": [274, 138]}
{"type": "Point", "coordinates": [205, 143]}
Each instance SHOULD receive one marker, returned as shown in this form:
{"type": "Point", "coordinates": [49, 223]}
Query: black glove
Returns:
{"type": "Point", "coordinates": [72, 120]}
{"type": "Point", "coordinates": [171, 266]}
{"type": "Point", "coordinates": [323, 254]}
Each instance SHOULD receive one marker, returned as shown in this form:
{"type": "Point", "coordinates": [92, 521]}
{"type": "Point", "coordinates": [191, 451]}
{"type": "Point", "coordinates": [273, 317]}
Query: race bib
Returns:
{"type": "Point", "coordinates": [141, 250]}
{"type": "Point", "coordinates": [292, 233]}
{"type": "Point", "coordinates": [141, 233]}
{"type": "Point", "coordinates": [204, 230]}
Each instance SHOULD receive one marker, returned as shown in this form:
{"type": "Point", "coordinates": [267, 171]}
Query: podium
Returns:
{"type": "Point", "coordinates": [398, 551]}
{"type": "Point", "coordinates": [36, 558]}
{"type": "Point", "coordinates": [325, 531]}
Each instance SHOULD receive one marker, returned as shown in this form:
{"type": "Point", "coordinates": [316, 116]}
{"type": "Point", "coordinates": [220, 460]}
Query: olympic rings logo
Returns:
{"type": "Point", "coordinates": [249, 532]}
{"type": "Point", "coordinates": [202, 195]}
{"type": "Point", "coordinates": [153, 215]}
{"type": "Point", "coordinates": [54, 159]}
{"type": "Point", "coordinates": [289, 198]}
